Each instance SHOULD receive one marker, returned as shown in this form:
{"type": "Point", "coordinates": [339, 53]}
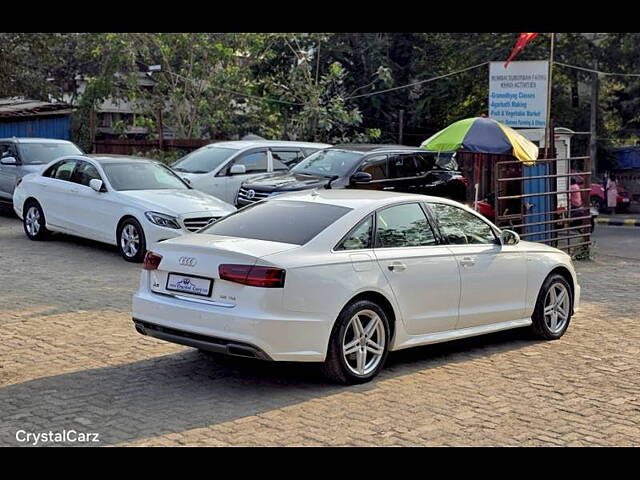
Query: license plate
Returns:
{"type": "Point", "coordinates": [625, 199]}
{"type": "Point", "coordinates": [189, 284]}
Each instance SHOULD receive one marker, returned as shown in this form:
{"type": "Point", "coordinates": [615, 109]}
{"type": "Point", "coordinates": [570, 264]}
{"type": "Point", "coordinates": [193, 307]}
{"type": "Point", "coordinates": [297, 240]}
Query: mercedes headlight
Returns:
{"type": "Point", "coordinates": [162, 220]}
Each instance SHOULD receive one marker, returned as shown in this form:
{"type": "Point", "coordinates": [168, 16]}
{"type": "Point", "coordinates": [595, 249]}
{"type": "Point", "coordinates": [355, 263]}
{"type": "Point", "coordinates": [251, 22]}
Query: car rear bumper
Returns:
{"type": "Point", "coordinates": [203, 342]}
{"type": "Point", "coordinates": [227, 329]}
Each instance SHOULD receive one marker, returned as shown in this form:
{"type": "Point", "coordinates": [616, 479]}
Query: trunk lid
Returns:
{"type": "Point", "coordinates": [200, 255]}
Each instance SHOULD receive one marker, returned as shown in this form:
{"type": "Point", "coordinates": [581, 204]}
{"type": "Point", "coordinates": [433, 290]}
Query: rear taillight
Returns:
{"type": "Point", "coordinates": [255, 276]}
{"type": "Point", "coordinates": [462, 179]}
{"type": "Point", "coordinates": [151, 261]}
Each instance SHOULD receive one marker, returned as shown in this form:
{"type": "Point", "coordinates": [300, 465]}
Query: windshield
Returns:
{"type": "Point", "coordinates": [278, 221]}
{"type": "Point", "coordinates": [203, 160]}
{"type": "Point", "coordinates": [38, 153]}
{"type": "Point", "coordinates": [327, 163]}
{"type": "Point", "coordinates": [142, 176]}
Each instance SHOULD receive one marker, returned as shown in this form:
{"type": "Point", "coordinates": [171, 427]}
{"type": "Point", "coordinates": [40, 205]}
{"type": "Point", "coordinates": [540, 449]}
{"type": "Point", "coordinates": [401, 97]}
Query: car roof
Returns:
{"type": "Point", "coordinates": [242, 144]}
{"type": "Point", "coordinates": [370, 147]}
{"type": "Point", "coordinates": [102, 158]}
{"type": "Point", "coordinates": [358, 199]}
{"type": "Point", "coordinates": [33, 140]}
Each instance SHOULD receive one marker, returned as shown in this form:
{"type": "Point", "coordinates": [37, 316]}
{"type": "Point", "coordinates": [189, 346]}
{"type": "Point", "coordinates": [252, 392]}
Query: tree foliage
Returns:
{"type": "Point", "coordinates": [316, 86]}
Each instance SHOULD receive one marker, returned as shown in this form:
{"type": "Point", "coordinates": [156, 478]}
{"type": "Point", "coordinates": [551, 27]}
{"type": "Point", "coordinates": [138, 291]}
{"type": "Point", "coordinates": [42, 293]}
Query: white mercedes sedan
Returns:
{"type": "Point", "coordinates": [345, 276]}
{"type": "Point", "coordinates": [130, 202]}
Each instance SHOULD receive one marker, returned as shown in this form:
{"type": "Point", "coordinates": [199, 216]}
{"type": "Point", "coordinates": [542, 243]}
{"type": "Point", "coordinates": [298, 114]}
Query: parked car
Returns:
{"type": "Point", "coordinates": [372, 167]}
{"type": "Point", "coordinates": [21, 156]}
{"type": "Point", "coordinates": [220, 168]}
{"type": "Point", "coordinates": [125, 201]}
{"type": "Point", "coordinates": [599, 201]}
{"type": "Point", "coordinates": [345, 276]}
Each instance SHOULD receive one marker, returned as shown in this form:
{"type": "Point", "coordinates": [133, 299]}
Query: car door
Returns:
{"type": "Point", "coordinates": [493, 276]}
{"type": "Point", "coordinates": [403, 171]}
{"type": "Point", "coordinates": [423, 273]}
{"type": "Point", "coordinates": [96, 215]}
{"type": "Point", "coordinates": [256, 163]}
{"type": "Point", "coordinates": [8, 173]}
{"type": "Point", "coordinates": [58, 195]}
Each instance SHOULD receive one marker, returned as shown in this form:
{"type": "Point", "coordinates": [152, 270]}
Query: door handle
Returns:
{"type": "Point", "coordinates": [467, 261]}
{"type": "Point", "coordinates": [397, 267]}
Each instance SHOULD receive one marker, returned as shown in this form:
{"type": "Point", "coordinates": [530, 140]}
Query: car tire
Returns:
{"type": "Point", "coordinates": [34, 222]}
{"type": "Point", "coordinates": [131, 241]}
{"type": "Point", "coordinates": [552, 313]}
{"type": "Point", "coordinates": [366, 344]}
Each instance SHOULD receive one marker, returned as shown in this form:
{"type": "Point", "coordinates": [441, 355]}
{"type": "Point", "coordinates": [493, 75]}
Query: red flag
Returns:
{"type": "Point", "coordinates": [523, 39]}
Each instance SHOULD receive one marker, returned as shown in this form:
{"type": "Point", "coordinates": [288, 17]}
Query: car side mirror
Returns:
{"type": "Point", "coordinates": [96, 184]}
{"type": "Point", "coordinates": [360, 177]}
{"type": "Point", "coordinates": [237, 170]}
{"type": "Point", "coordinates": [8, 161]}
{"type": "Point", "coordinates": [509, 237]}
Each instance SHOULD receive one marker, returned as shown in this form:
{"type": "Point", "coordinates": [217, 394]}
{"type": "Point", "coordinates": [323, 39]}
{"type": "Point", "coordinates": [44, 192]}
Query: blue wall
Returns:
{"type": "Point", "coordinates": [45, 127]}
{"type": "Point", "coordinates": [541, 203]}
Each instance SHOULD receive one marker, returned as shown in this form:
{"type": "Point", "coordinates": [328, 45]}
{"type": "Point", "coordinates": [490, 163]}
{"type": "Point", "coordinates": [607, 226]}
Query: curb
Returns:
{"type": "Point", "coordinates": [626, 222]}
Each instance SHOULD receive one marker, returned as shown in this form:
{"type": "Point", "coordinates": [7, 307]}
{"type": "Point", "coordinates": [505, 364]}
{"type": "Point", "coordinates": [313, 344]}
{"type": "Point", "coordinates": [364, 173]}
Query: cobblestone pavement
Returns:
{"type": "Point", "coordinates": [70, 359]}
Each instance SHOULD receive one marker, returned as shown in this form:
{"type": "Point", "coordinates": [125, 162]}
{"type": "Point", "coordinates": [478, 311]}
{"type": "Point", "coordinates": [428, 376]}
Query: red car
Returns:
{"type": "Point", "coordinates": [598, 200]}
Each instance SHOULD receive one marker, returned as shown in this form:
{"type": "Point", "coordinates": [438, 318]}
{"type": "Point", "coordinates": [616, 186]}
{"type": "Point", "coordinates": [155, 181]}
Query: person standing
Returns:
{"type": "Point", "coordinates": [576, 194]}
{"type": "Point", "coordinates": [612, 193]}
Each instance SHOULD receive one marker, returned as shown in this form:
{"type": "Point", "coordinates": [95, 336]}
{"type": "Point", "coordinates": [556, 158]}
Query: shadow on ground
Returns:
{"type": "Point", "coordinates": [187, 390]}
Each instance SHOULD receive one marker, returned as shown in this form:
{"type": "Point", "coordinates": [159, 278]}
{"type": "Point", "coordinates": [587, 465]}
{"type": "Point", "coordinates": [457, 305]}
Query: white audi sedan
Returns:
{"type": "Point", "coordinates": [345, 276]}
{"type": "Point", "coordinates": [130, 202]}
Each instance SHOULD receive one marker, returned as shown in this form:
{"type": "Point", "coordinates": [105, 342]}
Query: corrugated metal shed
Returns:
{"type": "Point", "coordinates": [21, 117]}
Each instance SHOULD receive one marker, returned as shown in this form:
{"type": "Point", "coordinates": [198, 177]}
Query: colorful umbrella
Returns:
{"type": "Point", "coordinates": [482, 135]}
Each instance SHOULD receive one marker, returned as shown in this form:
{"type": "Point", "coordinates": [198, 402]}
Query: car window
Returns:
{"type": "Point", "coordinates": [282, 158]}
{"type": "Point", "coordinates": [39, 153]}
{"type": "Point", "coordinates": [446, 161]}
{"type": "Point", "coordinates": [204, 160]}
{"type": "Point", "coordinates": [403, 226]}
{"type": "Point", "coordinates": [62, 170]}
{"type": "Point", "coordinates": [460, 227]}
{"type": "Point", "coordinates": [327, 163]}
{"type": "Point", "coordinates": [7, 150]}
{"type": "Point", "coordinates": [403, 165]}
{"type": "Point", "coordinates": [375, 166]}
{"type": "Point", "coordinates": [425, 162]}
{"type": "Point", "coordinates": [278, 221]}
{"type": "Point", "coordinates": [84, 173]}
{"type": "Point", "coordinates": [254, 162]}
{"type": "Point", "coordinates": [142, 176]}
{"type": "Point", "coordinates": [359, 237]}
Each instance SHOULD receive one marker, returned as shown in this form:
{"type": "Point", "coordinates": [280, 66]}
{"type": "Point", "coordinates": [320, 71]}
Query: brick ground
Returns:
{"type": "Point", "coordinates": [70, 359]}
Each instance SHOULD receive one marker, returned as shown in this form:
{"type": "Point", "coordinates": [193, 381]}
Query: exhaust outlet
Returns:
{"type": "Point", "coordinates": [140, 330]}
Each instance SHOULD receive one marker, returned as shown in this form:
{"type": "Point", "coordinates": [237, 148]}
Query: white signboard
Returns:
{"type": "Point", "coordinates": [518, 93]}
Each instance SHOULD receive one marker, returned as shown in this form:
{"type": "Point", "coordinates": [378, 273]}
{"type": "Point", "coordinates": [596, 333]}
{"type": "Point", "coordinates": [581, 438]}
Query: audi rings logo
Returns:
{"type": "Point", "coordinates": [251, 194]}
{"type": "Point", "coordinates": [187, 261]}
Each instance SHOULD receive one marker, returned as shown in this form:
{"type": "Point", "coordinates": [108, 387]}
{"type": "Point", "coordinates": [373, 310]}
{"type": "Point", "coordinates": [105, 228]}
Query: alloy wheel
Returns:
{"type": "Point", "coordinates": [32, 221]}
{"type": "Point", "coordinates": [363, 343]}
{"type": "Point", "coordinates": [130, 240]}
{"type": "Point", "coordinates": [557, 307]}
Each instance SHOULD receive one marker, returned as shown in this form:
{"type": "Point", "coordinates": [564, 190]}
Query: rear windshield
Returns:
{"type": "Point", "coordinates": [278, 221]}
{"type": "Point", "coordinates": [39, 153]}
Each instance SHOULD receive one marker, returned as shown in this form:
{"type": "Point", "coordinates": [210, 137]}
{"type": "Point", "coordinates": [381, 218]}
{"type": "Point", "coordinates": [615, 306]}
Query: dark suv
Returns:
{"type": "Point", "coordinates": [375, 167]}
